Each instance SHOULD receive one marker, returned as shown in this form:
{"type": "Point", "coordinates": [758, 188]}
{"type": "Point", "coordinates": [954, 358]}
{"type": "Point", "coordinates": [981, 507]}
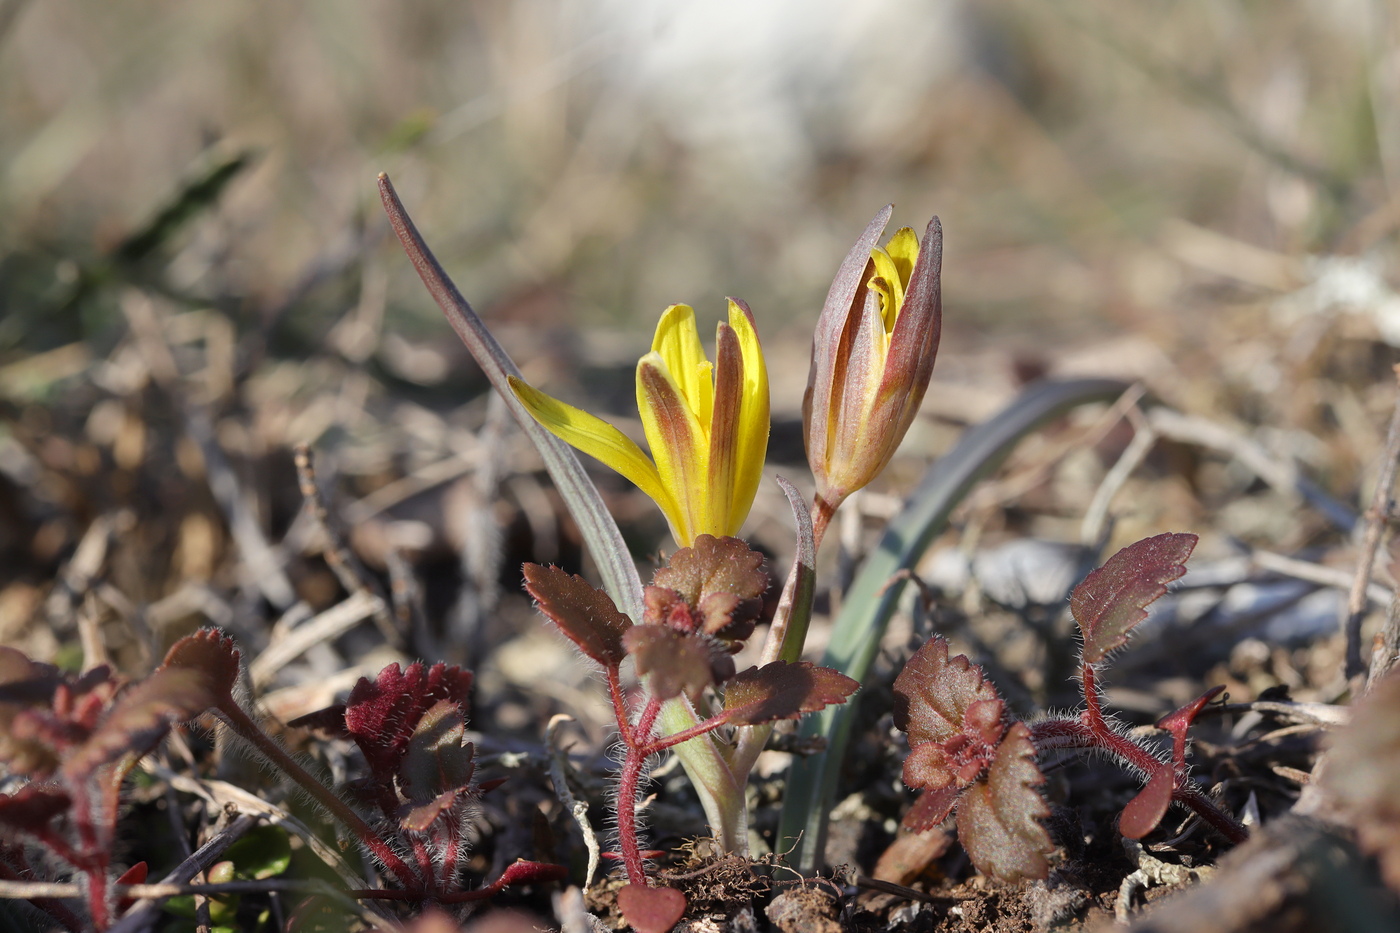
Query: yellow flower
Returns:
{"type": "Point", "coordinates": [872, 355]}
{"type": "Point", "coordinates": [706, 424]}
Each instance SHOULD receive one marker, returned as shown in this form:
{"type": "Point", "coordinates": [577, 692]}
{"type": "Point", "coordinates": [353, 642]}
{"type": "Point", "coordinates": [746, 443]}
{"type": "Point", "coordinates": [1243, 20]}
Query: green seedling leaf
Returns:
{"type": "Point", "coordinates": [587, 616]}
{"type": "Point", "coordinates": [1113, 598]}
{"type": "Point", "coordinates": [672, 662]}
{"type": "Point", "coordinates": [999, 818]}
{"type": "Point", "coordinates": [213, 654]}
{"type": "Point", "coordinates": [263, 852]}
{"type": "Point", "coordinates": [437, 759]}
{"type": "Point", "coordinates": [783, 690]}
{"type": "Point", "coordinates": [1145, 811]}
{"type": "Point", "coordinates": [650, 910]}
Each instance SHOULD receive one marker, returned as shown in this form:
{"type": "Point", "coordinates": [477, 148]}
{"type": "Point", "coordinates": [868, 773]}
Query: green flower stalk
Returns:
{"type": "Point", "coordinates": [706, 423]}
{"type": "Point", "coordinates": [872, 355]}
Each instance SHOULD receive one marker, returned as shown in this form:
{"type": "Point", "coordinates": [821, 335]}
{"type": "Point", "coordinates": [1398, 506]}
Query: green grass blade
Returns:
{"type": "Point", "coordinates": [868, 607]}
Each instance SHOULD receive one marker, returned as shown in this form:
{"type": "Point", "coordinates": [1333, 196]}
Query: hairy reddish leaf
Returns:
{"type": "Point", "coordinates": [673, 663]}
{"type": "Point", "coordinates": [783, 690]}
{"type": "Point", "coordinates": [931, 807]}
{"type": "Point", "coordinates": [420, 818]}
{"type": "Point", "coordinates": [999, 818]}
{"type": "Point", "coordinates": [587, 616]}
{"type": "Point", "coordinates": [1362, 770]}
{"type": "Point", "coordinates": [1145, 811]}
{"type": "Point", "coordinates": [141, 717]}
{"type": "Point", "coordinates": [381, 715]}
{"type": "Point", "coordinates": [650, 910]}
{"type": "Point", "coordinates": [715, 587]}
{"type": "Point", "coordinates": [934, 692]}
{"type": "Point", "coordinates": [213, 654]}
{"type": "Point", "coordinates": [437, 760]}
{"type": "Point", "coordinates": [1113, 598]}
{"type": "Point", "coordinates": [32, 807]}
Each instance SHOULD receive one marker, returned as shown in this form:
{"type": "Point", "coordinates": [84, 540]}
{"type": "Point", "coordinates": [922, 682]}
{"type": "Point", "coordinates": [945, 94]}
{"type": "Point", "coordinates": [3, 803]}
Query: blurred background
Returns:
{"type": "Point", "coordinates": [196, 275]}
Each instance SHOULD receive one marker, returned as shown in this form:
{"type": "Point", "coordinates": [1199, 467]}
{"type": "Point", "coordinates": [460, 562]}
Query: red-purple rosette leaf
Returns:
{"type": "Point", "coordinates": [783, 690]}
{"type": "Point", "coordinates": [931, 807]}
{"type": "Point", "coordinates": [141, 717]}
{"type": "Point", "coordinates": [673, 663]}
{"type": "Point", "coordinates": [213, 654]}
{"type": "Point", "coordinates": [1145, 811]}
{"type": "Point", "coordinates": [1361, 773]}
{"type": "Point", "coordinates": [999, 818]}
{"type": "Point", "coordinates": [1114, 598]}
{"type": "Point", "coordinates": [436, 759]}
{"type": "Point", "coordinates": [381, 714]}
{"type": "Point", "coordinates": [30, 808]}
{"type": "Point", "coordinates": [586, 615]}
{"type": "Point", "coordinates": [650, 910]}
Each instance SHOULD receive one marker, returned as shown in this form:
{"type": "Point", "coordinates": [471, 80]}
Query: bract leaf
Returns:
{"type": "Point", "coordinates": [1113, 598]}
{"type": "Point", "coordinates": [672, 662]}
{"type": "Point", "coordinates": [783, 690]}
{"type": "Point", "coordinates": [650, 910]}
{"type": "Point", "coordinates": [1145, 811]}
{"type": "Point", "coordinates": [999, 818]}
{"type": "Point", "coordinates": [588, 616]}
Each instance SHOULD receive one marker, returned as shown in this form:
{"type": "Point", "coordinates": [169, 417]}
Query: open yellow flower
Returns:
{"type": "Point", "coordinates": [706, 423]}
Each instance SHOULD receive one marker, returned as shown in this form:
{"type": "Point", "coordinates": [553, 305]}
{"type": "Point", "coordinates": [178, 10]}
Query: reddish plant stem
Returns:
{"type": "Point", "coordinates": [822, 511]}
{"type": "Point", "coordinates": [238, 721]}
{"type": "Point", "coordinates": [1086, 732]}
{"type": "Point", "coordinates": [619, 702]}
{"type": "Point", "coordinates": [451, 851]}
{"type": "Point", "coordinates": [1093, 712]}
{"type": "Point", "coordinates": [627, 785]}
{"type": "Point", "coordinates": [685, 735]}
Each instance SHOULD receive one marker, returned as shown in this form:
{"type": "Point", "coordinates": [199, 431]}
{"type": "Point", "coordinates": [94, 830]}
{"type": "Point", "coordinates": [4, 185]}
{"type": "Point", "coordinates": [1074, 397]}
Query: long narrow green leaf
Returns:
{"type": "Point", "coordinates": [872, 600]}
{"type": "Point", "coordinates": [610, 552]}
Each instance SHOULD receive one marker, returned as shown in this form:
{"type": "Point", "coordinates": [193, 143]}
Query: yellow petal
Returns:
{"type": "Point", "coordinates": [894, 264]}
{"type": "Point", "coordinates": [678, 444]}
{"type": "Point", "coordinates": [597, 438]}
{"type": "Point", "coordinates": [754, 420]}
{"type": "Point", "coordinates": [677, 341]}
